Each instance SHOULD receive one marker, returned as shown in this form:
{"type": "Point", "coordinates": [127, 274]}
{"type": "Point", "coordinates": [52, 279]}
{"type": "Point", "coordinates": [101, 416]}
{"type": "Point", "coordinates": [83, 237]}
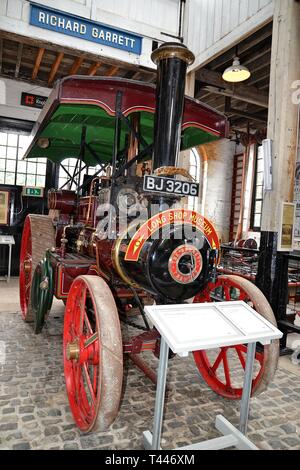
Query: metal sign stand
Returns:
{"type": "Point", "coordinates": [232, 437]}
{"type": "Point", "coordinates": [10, 241]}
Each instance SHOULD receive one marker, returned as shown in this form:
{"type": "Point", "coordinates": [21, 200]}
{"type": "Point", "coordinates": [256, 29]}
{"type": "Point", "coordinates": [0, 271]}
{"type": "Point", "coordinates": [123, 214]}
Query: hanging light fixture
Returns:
{"type": "Point", "coordinates": [43, 142]}
{"type": "Point", "coordinates": [236, 72]}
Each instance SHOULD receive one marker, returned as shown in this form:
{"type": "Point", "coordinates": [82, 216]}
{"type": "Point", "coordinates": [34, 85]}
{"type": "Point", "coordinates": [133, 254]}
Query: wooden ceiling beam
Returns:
{"type": "Point", "coordinates": [76, 65]}
{"type": "Point", "coordinates": [258, 78]}
{"type": "Point", "coordinates": [112, 72]}
{"type": "Point", "coordinates": [1, 54]}
{"type": "Point", "coordinates": [55, 67]}
{"type": "Point", "coordinates": [93, 69]}
{"type": "Point", "coordinates": [18, 61]}
{"type": "Point", "coordinates": [264, 55]}
{"type": "Point", "coordinates": [217, 85]}
{"type": "Point", "coordinates": [37, 63]}
{"type": "Point", "coordinates": [229, 110]}
{"type": "Point", "coordinates": [243, 47]}
{"type": "Point", "coordinates": [136, 75]}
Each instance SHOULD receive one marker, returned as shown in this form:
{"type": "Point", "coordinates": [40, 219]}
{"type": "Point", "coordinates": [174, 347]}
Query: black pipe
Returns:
{"type": "Point", "coordinates": [172, 60]}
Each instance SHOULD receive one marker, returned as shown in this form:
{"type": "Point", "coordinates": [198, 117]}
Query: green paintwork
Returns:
{"type": "Point", "coordinates": [64, 132]}
{"type": "Point", "coordinates": [41, 299]}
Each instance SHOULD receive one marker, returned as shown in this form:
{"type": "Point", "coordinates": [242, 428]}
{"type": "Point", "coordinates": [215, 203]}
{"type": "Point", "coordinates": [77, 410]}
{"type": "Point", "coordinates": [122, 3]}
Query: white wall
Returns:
{"type": "Point", "coordinates": [10, 99]}
{"type": "Point", "coordinates": [212, 26]}
{"type": "Point", "coordinates": [148, 18]}
{"type": "Point", "coordinates": [219, 186]}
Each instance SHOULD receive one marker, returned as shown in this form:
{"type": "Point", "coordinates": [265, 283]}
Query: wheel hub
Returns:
{"type": "Point", "coordinates": [83, 350]}
{"type": "Point", "coordinates": [73, 351]}
{"type": "Point", "coordinates": [27, 265]}
{"type": "Point", "coordinates": [44, 284]}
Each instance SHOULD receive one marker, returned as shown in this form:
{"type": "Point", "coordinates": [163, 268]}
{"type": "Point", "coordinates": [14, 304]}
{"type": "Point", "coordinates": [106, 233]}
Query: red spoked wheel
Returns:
{"type": "Point", "coordinates": [93, 353]}
{"type": "Point", "coordinates": [223, 368]}
{"type": "Point", "coordinates": [38, 236]}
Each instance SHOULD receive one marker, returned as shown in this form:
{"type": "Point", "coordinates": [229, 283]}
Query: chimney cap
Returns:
{"type": "Point", "coordinates": [169, 50]}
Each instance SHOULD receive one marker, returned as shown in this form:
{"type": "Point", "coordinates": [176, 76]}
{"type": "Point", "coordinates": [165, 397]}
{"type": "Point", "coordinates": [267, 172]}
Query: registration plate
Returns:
{"type": "Point", "coordinates": [160, 184]}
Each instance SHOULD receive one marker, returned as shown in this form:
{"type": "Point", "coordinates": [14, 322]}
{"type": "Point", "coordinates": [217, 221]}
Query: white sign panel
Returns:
{"type": "Point", "coordinates": [191, 327]}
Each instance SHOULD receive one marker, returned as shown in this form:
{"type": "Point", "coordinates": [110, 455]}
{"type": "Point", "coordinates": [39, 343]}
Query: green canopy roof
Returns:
{"type": "Point", "coordinates": [63, 118]}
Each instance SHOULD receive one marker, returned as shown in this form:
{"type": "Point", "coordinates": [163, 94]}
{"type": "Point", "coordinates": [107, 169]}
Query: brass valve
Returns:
{"type": "Point", "coordinates": [80, 241]}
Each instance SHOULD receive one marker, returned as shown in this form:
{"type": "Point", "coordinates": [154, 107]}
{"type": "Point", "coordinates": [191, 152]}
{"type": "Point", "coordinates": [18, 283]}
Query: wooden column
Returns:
{"type": "Point", "coordinates": [283, 130]}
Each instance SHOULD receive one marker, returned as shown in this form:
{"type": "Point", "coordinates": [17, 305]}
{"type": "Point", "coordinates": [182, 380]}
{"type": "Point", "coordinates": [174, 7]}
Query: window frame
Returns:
{"type": "Point", "coordinates": [255, 228]}
{"type": "Point", "coordinates": [17, 160]}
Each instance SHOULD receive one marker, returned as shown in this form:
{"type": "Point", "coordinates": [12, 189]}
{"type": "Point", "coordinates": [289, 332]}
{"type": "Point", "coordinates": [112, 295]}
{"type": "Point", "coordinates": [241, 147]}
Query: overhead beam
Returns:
{"type": "Point", "coordinates": [93, 69]}
{"type": "Point", "coordinates": [243, 47]}
{"type": "Point", "coordinates": [136, 76]}
{"type": "Point", "coordinates": [55, 67]}
{"type": "Point", "coordinates": [229, 110]}
{"type": "Point", "coordinates": [256, 58]}
{"type": "Point", "coordinates": [37, 63]}
{"type": "Point", "coordinates": [260, 77]}
{"type": "Point", "coordinates": [76, 65]}
{"type": "Point", "coordinates": [19, 58]}
{"type": "Point", "coordinates": [1, 54]}
{"type": "Point", "coordinates": [241, 92]}
{"type": "Point", "coordinates": [112, 72]}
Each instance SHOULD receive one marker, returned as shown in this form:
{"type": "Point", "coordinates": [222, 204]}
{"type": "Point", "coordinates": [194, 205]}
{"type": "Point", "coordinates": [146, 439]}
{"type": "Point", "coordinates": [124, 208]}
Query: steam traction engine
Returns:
{"type": "Point", "coordinates": [125, 238]}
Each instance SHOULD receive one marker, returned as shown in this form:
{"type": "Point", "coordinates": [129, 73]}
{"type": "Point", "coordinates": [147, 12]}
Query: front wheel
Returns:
{"type": "Point", "coordinates": [223, 368]}
{"type": "Point", "coordinates": [93, 353]}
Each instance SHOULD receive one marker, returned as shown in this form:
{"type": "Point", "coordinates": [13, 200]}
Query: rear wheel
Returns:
{"type": "Point", "coordinates": [38, 236]}
{"type": "Point", "coordinates": [93, 353]}
{"type": "Point", "coordinates": [223, 368]}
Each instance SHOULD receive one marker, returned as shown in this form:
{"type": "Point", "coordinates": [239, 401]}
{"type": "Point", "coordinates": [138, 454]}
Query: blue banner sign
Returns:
{"type": "Point", "coordinates": [73, 25]}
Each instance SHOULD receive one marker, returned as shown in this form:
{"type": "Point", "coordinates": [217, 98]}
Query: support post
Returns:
{"type": "Point", "coordinates": [52, 175]}
{"type": "Point", "coordinates": [160, 394]}
{"type": "Point", "coordinates": [283, 131]}
{"type": "Point", "coordinates": [9, 262]}
{"type": "Point", "coordinates": [245, 402]}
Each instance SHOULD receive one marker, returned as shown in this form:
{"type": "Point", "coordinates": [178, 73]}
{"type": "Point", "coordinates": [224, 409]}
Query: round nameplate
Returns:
{"type": "Point", "coordinates": [185, 264]}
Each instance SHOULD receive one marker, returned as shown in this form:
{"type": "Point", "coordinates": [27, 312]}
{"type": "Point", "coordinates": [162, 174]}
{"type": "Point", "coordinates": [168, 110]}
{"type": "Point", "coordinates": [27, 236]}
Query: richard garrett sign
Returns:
{"type": "Point", "coordinates": [72, 25]}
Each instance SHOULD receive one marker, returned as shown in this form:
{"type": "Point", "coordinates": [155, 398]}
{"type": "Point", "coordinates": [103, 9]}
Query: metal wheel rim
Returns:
{"type": "Point", "coordinates": [83, 392]}
{"type": "Point", "coordinates": [25, 274]}
{"type": "Point", "coordinates": [38, 236]}
{"type": "Point", "coordinates": [209, 370]}
{"type": "Point", "coordinates": [99, 344]}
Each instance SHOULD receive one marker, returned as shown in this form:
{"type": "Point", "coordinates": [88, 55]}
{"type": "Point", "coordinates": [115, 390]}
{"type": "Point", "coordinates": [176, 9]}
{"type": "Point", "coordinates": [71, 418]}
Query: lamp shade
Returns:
{"type": "Point", "coordinates": [43, 142]}
{"type": "Point", "coordinates": [236, 72]}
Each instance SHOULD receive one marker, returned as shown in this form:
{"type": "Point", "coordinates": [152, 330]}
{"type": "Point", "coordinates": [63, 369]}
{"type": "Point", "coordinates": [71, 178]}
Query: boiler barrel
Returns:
{"type": "Point", "coordinates": [64, 201]}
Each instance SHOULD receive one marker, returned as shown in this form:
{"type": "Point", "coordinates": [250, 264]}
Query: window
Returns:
{"type": "Point", "coordinates": [194, 170]}
{"type": "Point", "coordinates": [69, 165]}
{"type": "Point", "coordinates": [14, 170]}
{"type": "Point", "coordinates": [258, 191]}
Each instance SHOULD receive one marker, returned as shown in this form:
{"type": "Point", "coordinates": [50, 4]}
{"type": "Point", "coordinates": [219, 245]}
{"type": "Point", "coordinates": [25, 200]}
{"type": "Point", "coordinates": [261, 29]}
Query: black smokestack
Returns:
{"type": "Point", "coordinates": [172, 60]}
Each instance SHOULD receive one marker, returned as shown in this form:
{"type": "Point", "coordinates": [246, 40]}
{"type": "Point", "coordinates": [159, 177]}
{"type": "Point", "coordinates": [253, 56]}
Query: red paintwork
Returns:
{"type": "Point", "coordinates": [83, 376]}
{"type": "Point", "coordinates": [211, 371]}
{"type": "Point", "coordinates": [62, 200]}
{"type": "Point", "coordinates": [84, 211]}
{"type": "Point", "coordinates": [144, 342]}
{"type": "Point", "coordinates": [67, 269]}
{"type": "Point", "coordinates": [137, 96]}
{"type": "Point", "coordinates": [104, 252]}
{"type": "Point", "coordinates": [25, 276]}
